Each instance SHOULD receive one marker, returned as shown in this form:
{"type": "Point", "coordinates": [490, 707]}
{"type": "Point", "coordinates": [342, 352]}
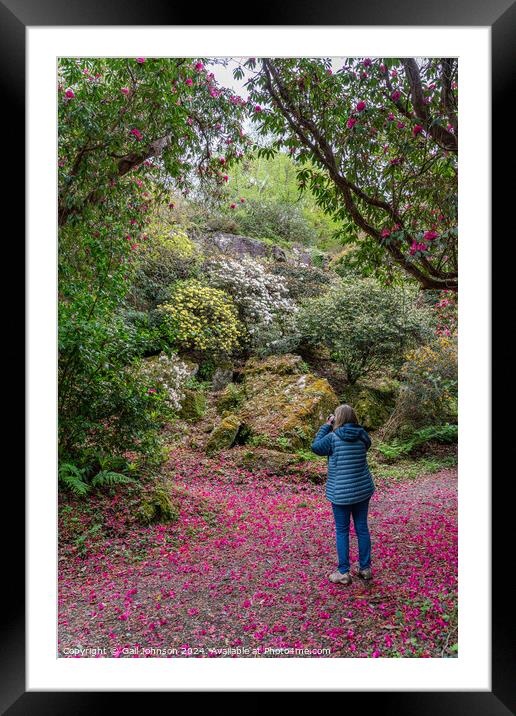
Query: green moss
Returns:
{"type": "Point", "coordinates": [193, 406]}
{"type": "Point", "coordinates": [230, 399]}
{"type": "Point", "coordinates": [373, 404]}
{"type": "Point", "coordinates": [158, 506]}
{"type": "Point", "coordinates": [284, 408]}
{"type": "Point", "coordinates": [278, 365]}
{"type": "Point", "coordinates": [224, 434]}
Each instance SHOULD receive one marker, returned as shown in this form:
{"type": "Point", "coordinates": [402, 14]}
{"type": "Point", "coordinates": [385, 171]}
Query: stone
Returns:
{"type": "Point", "coordinates": [372, 404]}
{"type": "Point", "coordinates": [222, 376]}
{"type": "Point", "coordinates": [236, 245]}
{"type": "Point", "coordinates": [193, 406]}
{"type": "Point", "coordinates": [224, 434]}
{"type": "Point", "coordinates": [158, 506]}
{"type": "Point", "coordinates": [230, 399]}
{"type": "Point", "coordinates": [287, 364]}
{"type": "Point", "coordinates": [285, 405]}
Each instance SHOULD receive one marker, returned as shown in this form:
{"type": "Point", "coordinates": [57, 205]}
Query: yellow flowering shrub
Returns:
{"type": "Point", "coordinates": [163, 239]}
{"type": "Point", "coordinates": [202, 317]}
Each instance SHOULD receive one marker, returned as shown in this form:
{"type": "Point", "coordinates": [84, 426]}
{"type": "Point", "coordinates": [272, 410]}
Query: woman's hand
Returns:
{"type": "Point", "coordinates": [330, 419]}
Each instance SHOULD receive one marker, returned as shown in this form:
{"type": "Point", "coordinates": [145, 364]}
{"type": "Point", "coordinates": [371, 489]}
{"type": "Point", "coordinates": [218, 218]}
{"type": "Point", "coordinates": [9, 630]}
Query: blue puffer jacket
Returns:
{"type": "Point", "coordinates": [349, 479]}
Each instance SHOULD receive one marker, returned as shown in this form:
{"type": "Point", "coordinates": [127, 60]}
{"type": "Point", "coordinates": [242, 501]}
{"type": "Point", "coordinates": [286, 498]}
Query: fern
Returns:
{"type": "Point", "coordinates": [73, 478]}
{"type": "Point", "coordinates": [440, 433]}
{"type": "Point", "coordinates": [108, 477]}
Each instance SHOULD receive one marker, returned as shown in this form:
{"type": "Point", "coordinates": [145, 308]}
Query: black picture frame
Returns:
{"type": "Point", "coordinates": [500, 16]}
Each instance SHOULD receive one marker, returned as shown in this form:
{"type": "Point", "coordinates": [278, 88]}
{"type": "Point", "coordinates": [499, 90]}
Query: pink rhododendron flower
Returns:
{"type": "Point", "coordinates": [124, 90]}
{"type": "Point", "coordinates": [401, 125]}
{"type": "Point", "coordinates": [367, 62]}
{"type": "Point", "coordinates": [383, 68]}
{"type": "Point", "coordinates": [242, 200]}
{"type": "Point", "coordinates": [395, 95]}
{"type": "Point", "coordinates": [226, 178]}
{"type": "Point", "coordinates": [385, 233]}
{"type": "Point", "coordinates": [390, 117]}
{"type": "Point", "coordinates": [351, 122]}
{"type": "Point", "coordinates": [361, 106]}
{"type": "Point", "coordinates": [189, 82]}
{"type": "Point", "coordinates": [199, 66]}
{"type": "Point", "coordinates": [136, 133]}
{"type": "Point", "coordinates": [430, 235]}
{"type": "Point", "coordinates": [140, 60]}
{"type": "Point", "coordinates": [70, 94]}
{"type": "Point", "coordinates": [257, 108]}
{"type": "Point", "coordinates": [232, 206]}
{"type": "Point", "coordinates": [417, 129]}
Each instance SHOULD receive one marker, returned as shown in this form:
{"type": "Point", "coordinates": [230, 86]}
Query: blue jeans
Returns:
{"type": "Point", "coordinates": [342, 514]}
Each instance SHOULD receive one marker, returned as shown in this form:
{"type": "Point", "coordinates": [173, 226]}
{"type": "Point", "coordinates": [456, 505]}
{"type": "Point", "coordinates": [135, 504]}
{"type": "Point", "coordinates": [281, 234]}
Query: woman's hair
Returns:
{"type": "Point", "coordinates": [344, 414]}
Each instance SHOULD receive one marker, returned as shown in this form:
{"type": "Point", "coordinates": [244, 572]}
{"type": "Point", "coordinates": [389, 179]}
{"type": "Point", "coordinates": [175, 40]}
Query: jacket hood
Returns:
{"type": "Point", "coordinates": [349, 432]}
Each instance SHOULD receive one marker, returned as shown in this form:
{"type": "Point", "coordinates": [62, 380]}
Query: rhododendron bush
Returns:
{"type": "Point", "coordinates": [131, 130]}
{"type": "Point", "coordinates": [376, 142]}
{"type": "Point", "coordinates": [262, 298]}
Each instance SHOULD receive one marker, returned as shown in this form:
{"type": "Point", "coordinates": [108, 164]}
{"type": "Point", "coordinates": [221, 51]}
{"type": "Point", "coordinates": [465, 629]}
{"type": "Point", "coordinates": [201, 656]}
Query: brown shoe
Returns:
{"type": "Point", "coordinates": [365, 574]}
{"type": "Point", "coordinates": [339, 578]}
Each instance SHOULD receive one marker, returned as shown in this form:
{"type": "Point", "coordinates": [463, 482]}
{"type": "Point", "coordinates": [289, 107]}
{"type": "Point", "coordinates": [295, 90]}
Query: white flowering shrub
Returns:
{"type": "Point", "coordinates": [164, 376]}
{"type": "Point", "coordinates": [262, 299]}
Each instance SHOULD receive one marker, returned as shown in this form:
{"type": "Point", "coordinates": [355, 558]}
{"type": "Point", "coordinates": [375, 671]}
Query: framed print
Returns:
{"type": "Point", "coordinates": [259, 403]}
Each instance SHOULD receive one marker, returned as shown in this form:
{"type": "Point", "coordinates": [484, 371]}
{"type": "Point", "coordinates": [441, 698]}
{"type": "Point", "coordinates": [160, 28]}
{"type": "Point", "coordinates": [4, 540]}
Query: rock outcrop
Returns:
{"type": "Point", "coordinates": [278, 405]}
{"type": "Point", "coordinates": [235, 245]}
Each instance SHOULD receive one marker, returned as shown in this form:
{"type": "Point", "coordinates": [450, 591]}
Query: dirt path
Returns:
{"type": "Point", "coordinates": [244, 571]}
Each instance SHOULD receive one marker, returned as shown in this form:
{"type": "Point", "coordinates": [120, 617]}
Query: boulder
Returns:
{"type": "Point", "coordinates": [230, 399]}
{"type": "Point", "coordinates": [222, 376]}
{"type": "Point", "coordinates": [158, 506]}
{"type": "Point", "coordinates": [224, 434]}
{"type": "Point", "coordinates": [236, 245]}
{"type": "Point", "coordinates": [193, 406]}
{"type": "Point", "coordinates": [285, 404]}
{"type": "Point", "coordinates": [373, 404]}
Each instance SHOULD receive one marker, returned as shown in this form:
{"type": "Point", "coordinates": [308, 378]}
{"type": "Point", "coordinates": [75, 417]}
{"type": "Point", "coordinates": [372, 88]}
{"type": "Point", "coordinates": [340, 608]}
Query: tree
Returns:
{"type": "Point", "coordinates": [376, 142]}
{"type": "Point", "coordinates": [130, 131]}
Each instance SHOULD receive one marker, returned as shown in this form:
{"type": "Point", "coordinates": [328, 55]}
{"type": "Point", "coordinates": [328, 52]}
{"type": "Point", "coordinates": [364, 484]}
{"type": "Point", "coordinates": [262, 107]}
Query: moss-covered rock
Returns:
{"type": "Point", "coordinates": [230, 399]}
{"type": "Point", "coordinates": [373, 404]}
{"type": "Point", "coordinates": [258, 458]}
{"type": "Point", "coordinates": [222, 376]}
{"type": "Point", "coordinates": [193, 406]}
{"type": "Point", "coordinates": [288, 364]}
{"type": "Point", "coordinates": [284, 406]}
{"type": "Point", "coordinates": [224, 434]}
{"type": "Point", "coordinates": [158, 506]}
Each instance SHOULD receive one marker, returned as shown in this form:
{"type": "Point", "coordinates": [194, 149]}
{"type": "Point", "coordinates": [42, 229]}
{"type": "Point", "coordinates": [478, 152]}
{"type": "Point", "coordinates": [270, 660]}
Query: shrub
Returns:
{"type": "Point", "coordinates": [428, 391]}
{"type": "Point", "coordinates": [103, 407]}
{"type": "Point", "coordinates": [164, 375]}
{"type": "Point", "coordinates": [167, 256]}
{"type": "Point", "coordinates": [365, 325]}
{"type": "Point", "coordinates": [262, 298]}
{"type": "Point", "coordinates": [302, 282]}
{"type": "Point", "coordinates": [278, 221]}
{"type": "Point", "coordinates": [202, 318]}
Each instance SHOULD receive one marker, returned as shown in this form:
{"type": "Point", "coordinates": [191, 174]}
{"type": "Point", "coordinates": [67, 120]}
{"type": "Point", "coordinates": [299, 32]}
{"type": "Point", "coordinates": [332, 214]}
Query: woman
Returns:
{"type": "Point", "coordinates": [349, 486]}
